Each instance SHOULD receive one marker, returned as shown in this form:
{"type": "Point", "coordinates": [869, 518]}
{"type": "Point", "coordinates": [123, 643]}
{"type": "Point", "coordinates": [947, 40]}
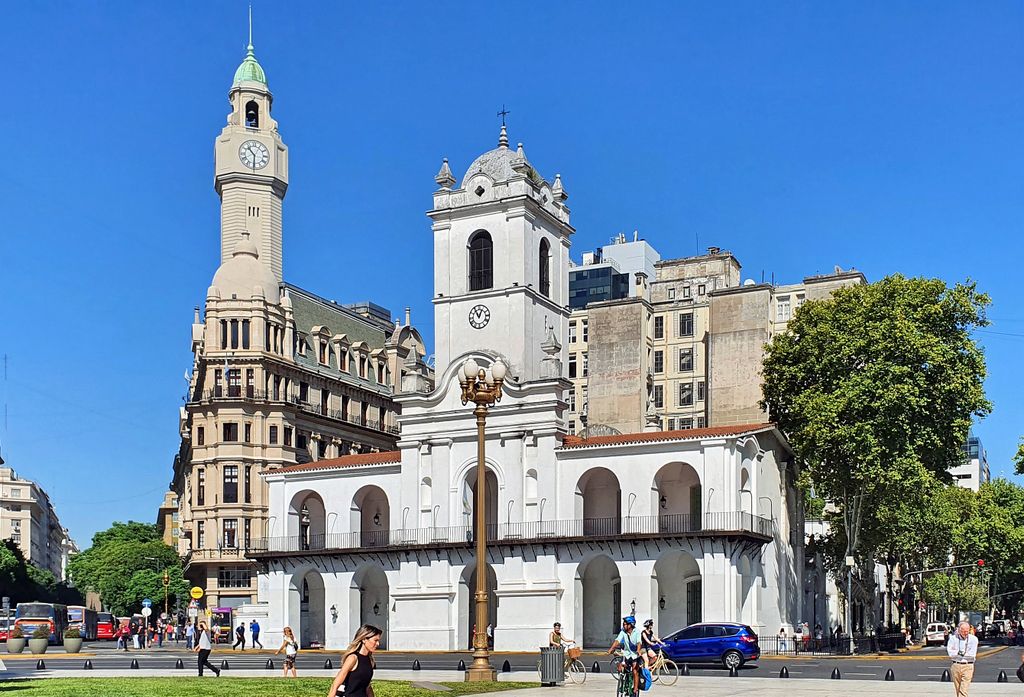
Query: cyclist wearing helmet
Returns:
{"type": "Point", "coordinates": [628, 641]}
{"type": "Point", "coordinates": [649, 641]}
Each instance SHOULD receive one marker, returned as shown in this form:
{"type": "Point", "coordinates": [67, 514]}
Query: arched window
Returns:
{"type": "Point", "coordinates": [481, 261]}
{"type": "Point", "coordinates": [252, 115]}
{"type": "Point", "coordinates": [544, 262]}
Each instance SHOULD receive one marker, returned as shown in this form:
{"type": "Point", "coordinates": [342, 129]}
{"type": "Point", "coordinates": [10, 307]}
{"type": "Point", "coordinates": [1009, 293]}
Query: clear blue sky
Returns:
{"type": "Point", "coordinates": [888, 136]}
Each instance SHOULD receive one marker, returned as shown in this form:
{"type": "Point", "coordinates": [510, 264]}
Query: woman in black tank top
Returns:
{"type": "Point", "coordinates": [353, 680]}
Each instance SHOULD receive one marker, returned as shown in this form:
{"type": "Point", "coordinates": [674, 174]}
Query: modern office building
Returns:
{"type": "Point", "coordinates": [974, 471]}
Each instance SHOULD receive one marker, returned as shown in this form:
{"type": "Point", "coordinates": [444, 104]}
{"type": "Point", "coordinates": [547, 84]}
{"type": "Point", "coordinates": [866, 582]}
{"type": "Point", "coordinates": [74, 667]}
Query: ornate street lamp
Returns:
{"type": "Point", "coordinates": [482, 386]}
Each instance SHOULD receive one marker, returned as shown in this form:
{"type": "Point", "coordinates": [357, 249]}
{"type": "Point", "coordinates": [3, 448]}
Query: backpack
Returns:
{"type": "Point", "coordinates": [645, 678]}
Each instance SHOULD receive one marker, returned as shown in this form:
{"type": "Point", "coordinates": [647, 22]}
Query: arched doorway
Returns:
{"type": "Point", "coordinates": [371, 517]}
{"type": "Point", "coordinates": [307, 520]}
{"type": "Point", "coordinates": [677, 498]}
{"type": "Point", "coordinates": [599, 502]}
{"type": "Point", "coordinates": [467, 609]}
{"type": "Point", "coordinates": [599, 584]}
{"type": "Point", "coordinates": [490, 507]}
{"type": "Point", "coordinates": [372, 599]}
{"type": "Point", "coordinates": [678, 590]}
{"type": "Point", "coordinates": [306, 598]}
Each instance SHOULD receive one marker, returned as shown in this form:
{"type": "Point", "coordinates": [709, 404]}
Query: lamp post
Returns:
{"type": "Point", "coordinates": [482, 386]}
{"type": "Point", "coordinates": [167, 582]}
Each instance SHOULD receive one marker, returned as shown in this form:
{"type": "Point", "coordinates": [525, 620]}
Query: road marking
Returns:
{"type": "Point", "coordinates": [861, 673]}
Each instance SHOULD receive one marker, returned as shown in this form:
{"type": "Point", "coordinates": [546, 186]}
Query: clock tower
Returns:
{"type": "Point", "coordinates": [251, 169]}
{"type": "Point", "coordinates": [501, 263]}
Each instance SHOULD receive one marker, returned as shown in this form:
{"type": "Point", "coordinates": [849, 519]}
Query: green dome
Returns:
{"type": "Point", "coordinates": [250, 70]}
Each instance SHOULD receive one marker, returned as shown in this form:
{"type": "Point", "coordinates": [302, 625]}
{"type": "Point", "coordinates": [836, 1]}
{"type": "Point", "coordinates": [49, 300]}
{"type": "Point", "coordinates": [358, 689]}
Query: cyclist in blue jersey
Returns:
{"type": "Point", "coordinates": [628, 641]}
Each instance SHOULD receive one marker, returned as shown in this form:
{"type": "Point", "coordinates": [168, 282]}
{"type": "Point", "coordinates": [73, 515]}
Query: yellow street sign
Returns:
{"type": "Point", "coordinates": [196, 592]}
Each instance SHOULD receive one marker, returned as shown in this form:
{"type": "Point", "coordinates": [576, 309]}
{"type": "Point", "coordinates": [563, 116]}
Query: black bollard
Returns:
{"type": "Point", "coordinates": [733, 672]}
{"type": "Point", "coordinates": [42, 666]}
{"type": "Point", "coordinates": [328, 665]}
{"type": "Point", "coordinates": [179, 664]}
{"type": "Point", "coordinates": [88, 665]}
{"type": "Point", "coordinates": [416, 664]}
{"type": "Point", "coordinates": [685, 670]}
{"type": "Point", "coordinates": [784, 673]}
{"type": "Point", "coordinates": [135, 664]}
{"type": "Point", "coordinates": [889, 675]}
{"type": "Point", "coordinates": [462, 665]}
{"type": "Point", "coordinates": [270, 664]}
{"type": "Point", "coordinates": [506, 667]}
{"type": "Point", "coordinates": [596, 668]}
{"type": "Point", "coordinates": [1002, 676]}
{"type": "Point", "coordinates": [224, 664]}
{"type": "Point", "coordinates": [836, 675]}
{"type": "Point", "coordinates": [945, 676]}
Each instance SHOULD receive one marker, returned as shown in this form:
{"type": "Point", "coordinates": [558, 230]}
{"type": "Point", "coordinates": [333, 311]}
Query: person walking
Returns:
{"type": "Point", "coordinates": [291, 652]}
{"type": "Point", "coordinates": [353, 679]}
{"type": "Point", "coordinates": [203, 647]}
{"type": "Point", "coordinates": [963, 651]}
{"type": "Point", "coordinates": [239, 636]}
{"type": "Point", "coordinates": [254, 629]}
{"type": "Point", "coordinates": [190, 631]}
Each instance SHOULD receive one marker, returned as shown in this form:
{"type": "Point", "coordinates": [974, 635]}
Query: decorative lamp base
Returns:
{"type": "Point", "coordinates": [488, 674]}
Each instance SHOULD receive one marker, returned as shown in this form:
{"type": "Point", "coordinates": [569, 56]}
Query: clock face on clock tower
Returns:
{"type": "Point", "coordinates": [479, 316]}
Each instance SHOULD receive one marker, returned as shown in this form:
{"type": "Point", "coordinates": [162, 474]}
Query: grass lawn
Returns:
{"type": "Point", "coordinates": [226, 687]}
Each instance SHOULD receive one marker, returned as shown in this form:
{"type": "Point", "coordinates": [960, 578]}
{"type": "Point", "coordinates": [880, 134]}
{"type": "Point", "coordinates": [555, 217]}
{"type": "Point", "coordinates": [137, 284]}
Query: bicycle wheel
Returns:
{"type": "Point", "coordinates": [667, 673]}
{"type": "Point", "coordinates": [614, 668]}
{"type": "Point", "coordinates": [577, 672]}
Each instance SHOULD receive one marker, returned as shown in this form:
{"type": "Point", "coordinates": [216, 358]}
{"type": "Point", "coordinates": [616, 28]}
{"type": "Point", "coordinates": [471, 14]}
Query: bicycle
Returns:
{"type": "Point", "coordinates": [573, 666]}
{"type": "Point", "coordinates": [623, 677]}
{"type": "Point", "coordinates": [664, 670]}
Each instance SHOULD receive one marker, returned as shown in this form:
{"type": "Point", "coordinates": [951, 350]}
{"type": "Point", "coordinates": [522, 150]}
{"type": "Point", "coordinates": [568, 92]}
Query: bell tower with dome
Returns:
{"type": "Point", "coordinates": [501, 263]}
{"type": "Point", "coordinates": [251, 168]}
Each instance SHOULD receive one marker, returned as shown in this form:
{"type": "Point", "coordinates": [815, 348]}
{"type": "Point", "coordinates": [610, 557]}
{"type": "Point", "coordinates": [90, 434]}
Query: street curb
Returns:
{"type": "Point", "coordinates": [879, 656]}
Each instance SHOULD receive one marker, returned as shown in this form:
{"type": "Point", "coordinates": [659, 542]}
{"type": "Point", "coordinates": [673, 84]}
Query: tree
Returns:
{"type": "Point", "coordinates": [876, 388]}
{"type": "Point", "coordinates": [956, 593]}
{"type": "Point", "coordinates": [125, 564]}
{"type": "Point", "coordinates": [22, 581]}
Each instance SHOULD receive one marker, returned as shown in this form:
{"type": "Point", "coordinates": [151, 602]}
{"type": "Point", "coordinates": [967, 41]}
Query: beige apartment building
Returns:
{"type": "Point", "coordinates": [683, 349]}
{"type": "Point", "coordinates": [280, 375]}
{"type": "Point", "coordinates": [28, 519]}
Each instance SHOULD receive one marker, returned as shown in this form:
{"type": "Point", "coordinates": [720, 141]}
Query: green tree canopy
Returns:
{"type": "Point", "coordinates": [23, 582]}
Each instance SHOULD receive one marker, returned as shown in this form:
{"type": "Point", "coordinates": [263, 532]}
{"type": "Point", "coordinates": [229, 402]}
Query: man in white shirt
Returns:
{"type": "Point", "coordinates": [963, 651]}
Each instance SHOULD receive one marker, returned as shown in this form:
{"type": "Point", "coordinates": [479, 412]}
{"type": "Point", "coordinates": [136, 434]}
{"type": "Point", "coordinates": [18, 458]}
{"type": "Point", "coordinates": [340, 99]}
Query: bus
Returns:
{"type": "Point", "coordinates": [54, 617]}
{"type": "Point", "coordinates": [83, 618]}
{"type": "Point", "coordinates": [106, 625]}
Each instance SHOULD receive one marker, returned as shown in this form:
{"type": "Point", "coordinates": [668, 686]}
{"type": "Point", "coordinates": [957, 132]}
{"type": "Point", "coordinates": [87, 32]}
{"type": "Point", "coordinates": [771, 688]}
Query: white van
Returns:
{"type": "Point", "coordinates": [936, 633]}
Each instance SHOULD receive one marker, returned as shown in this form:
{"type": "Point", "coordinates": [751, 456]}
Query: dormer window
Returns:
{"type": "Point", "coordinates": [481, 261]}
{"type": "Point", "coordinates": [252, 115]}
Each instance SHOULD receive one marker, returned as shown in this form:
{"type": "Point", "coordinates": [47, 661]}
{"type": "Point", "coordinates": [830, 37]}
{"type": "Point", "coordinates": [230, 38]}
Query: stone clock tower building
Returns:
{"type": "Point", "coordinates": [251, 169]}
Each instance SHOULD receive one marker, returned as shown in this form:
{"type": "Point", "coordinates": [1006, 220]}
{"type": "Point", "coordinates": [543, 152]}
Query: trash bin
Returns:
{"type": "Point", "coordinates": [552, 665]}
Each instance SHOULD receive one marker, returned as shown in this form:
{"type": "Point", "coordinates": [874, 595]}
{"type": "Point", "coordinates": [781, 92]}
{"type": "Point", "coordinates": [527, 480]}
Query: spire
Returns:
{"type": "Point", "coordinates": [250, 29]}
{"type": "Point", "coordinates": [444, 177]}
{"type": "Point", "coordinates": [250, 70]}
{"type": "Point", "coordinates": [503, 137]}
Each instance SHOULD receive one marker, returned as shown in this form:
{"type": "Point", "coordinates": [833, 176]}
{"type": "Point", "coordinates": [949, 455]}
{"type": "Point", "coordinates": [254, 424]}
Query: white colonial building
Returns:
{"type": "Point", "coordinates": [676, 525]}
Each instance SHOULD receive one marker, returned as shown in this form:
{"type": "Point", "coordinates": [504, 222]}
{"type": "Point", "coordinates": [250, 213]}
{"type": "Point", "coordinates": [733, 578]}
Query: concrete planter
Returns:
{"type": "Point", "coordinates": [16, 645]}
{"type": "Point", "coordinates": [38, 645]}
{"type": "Point", "coordinates": [72, 645]}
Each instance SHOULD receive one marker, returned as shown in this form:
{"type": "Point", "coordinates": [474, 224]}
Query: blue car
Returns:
{"type": "Point", "coordinates": [728, 643]}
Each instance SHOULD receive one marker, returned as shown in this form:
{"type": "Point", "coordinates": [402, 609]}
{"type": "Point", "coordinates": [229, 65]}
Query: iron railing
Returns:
{"type": "Point", "coordinates": [830, 644]}
{"type": "Point", "coordinates": [252, 395]}
{"type": "Point", "coordinates": [732, 522]}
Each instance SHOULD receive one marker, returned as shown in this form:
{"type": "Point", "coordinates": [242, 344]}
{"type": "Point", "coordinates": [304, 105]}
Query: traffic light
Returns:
{"type": "Point", "coordinates": [981, 562]}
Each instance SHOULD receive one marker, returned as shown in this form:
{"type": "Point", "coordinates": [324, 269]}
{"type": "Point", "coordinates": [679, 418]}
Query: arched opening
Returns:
{"type": "Point", "coordinates": [307, 520]}
{"type": "Point", "coordinates": [677, 492]}
{"type": "Point", "coordinates": [544, 265]}
{"type": "Point", "coordinates": [599, 502]}
{"type": "Point", "coordinates": [481, 261]}
{"type": "Point", "coordinates": [490, 503]}
{"type": "Point", "coordinates": [252, 115]}
{"type": "Point", "coordinates": [372, 599]}
{"type": "Point", "coordinates": [745, 494]}
{"type": "Point", "coordinates": [599, 585]}
{"type": "Point", "coordinates": [371, 516]}
{"type": "Point", "coordinates": [677, 582]}
{"type": "Point", "coordinates": [467, 608]}
{"type": "Point", "coordinates": [306, 598]}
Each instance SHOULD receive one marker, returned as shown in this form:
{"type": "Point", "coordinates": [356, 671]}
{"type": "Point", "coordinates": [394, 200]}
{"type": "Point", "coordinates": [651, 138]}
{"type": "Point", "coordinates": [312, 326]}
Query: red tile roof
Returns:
{"type": "Point", "coordinates": [656, 436]}
{"type": "Point", "coordinates": [346, 461]}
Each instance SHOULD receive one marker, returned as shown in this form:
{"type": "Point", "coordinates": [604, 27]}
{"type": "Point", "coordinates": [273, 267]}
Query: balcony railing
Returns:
{"type": "Point", "coordinates": [236, 393]}
{"type": "Point", "coordinates": [703, 525]}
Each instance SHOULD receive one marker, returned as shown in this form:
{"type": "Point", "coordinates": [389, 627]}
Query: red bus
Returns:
{"type": "Point", "coordinates": [83, 618]}
{"type": "Point", "coordinates": [106, 625]}
{"type": "Point", "coordinates": [50, 615]}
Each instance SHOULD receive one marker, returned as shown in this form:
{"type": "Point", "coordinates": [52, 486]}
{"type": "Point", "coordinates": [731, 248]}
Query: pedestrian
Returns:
{"type": "Point", "coordinates": [783, 644]}
{"type": "Point", "coordinates": [190, 631]}
{"type": "Point", "coordinates": [239, 636]}
{"type": "Point", "coordinates": [125, 635]}
{"type": "Point", "coordinates": [490, 635]}
{"type": "Point", "coordinates": [254, 629]}
{"type": "Point", "coordinates": [963, 651]}
{"type": "Point", "coordinates": [134, 629]}
{"type": "Point", "coordinates": [818, 636]}
{"type": "Point", "coordinates": [160, 633]}
{"type": "Point", "coordinates": [203, 647]}
{"type": "Point", "coordinates": [353, 679]}
{"type": "Point", "coordinates": [291, 652]}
